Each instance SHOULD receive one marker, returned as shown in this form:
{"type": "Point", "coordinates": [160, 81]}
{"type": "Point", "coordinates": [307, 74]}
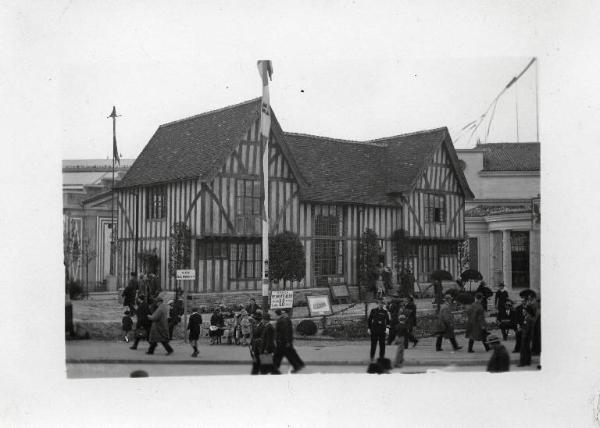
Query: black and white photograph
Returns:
{"type": "Point", "coordinates": [389, 254]}
{"type": "Point", "coordinates": [331, 212]}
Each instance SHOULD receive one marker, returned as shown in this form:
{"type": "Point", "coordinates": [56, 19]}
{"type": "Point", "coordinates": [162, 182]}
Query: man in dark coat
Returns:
{"type": "Point", "coordinates": [526, 336]}
{"type": "Point", "coordinates": [252, 307]}
{"type": "Point", "coordinates": [256, 342]}
{"type": "Point", "coordinates": [500, 298]}
{"type": "Point", "coordinates": [193, 326]}
{"type": "Point", "coordinates": [159, 332]}
{"type": "Point", "coordinates": [410, 311]}
{"type": "Point", "coordinates": [267, 346]}
{"type": "Point", "coordinates": [379, 320]}
{"type": "Point", "coordinates": [446, 325]}
{"type": "Point", "coordinates": [284, 338]}
{"type": "Point", "coordinates": [143, 324]}
{"type": "Point", "coordinates": [486, 293]}
{"type": "Point", "coordinates": [174, 318]}
{"type": "Point", "coordinates": [394, 308]}
{"type": "Point", "coordinates": [500, 360]}
{"type": "Point", "coordinates": [475, 326]}
{"type": "Point", "coordinates": [518, 318]}
{"type": "Point", "coordinates": [129, 292]}
{"type": "Point", "coordinates": [506, 319]}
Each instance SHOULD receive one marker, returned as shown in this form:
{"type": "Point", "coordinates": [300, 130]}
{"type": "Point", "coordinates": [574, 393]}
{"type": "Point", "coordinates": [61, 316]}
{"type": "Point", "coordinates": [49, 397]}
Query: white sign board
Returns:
{"type": "Point", "coordinates": [318, 305]}
{"type": "Point", "coordinates": [186, 274]}
{"type": "Point", "coordinates": [282, 299]}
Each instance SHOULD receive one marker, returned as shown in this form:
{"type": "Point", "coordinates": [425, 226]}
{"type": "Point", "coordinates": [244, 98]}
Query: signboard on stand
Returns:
{"type": "Point", "coordinates": [185, 275]}
{"type": "Point", "coordinates": [318, 305]}
{"type": "Point", "coordinates": [282, 299]}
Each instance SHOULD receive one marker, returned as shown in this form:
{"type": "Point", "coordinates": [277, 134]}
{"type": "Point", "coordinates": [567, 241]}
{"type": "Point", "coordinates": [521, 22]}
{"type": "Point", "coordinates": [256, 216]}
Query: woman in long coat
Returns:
{"type": "Point", "coordinates": [159, 332]}
{"type": "Point", "coordinates": [475, 325]}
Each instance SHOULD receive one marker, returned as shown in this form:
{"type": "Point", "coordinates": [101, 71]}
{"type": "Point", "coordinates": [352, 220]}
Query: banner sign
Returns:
{"type": "Point", "coordinates": [282, 299]}
{"type": "Point", "coordinates": [186, 274]}
{"type": "Point", "coordinates": [318, 305]}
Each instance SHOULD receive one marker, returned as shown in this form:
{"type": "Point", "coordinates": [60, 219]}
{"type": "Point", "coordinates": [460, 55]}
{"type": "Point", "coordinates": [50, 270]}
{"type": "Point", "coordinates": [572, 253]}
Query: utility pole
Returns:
{"type": "Point", "coordinates": [115, 155]}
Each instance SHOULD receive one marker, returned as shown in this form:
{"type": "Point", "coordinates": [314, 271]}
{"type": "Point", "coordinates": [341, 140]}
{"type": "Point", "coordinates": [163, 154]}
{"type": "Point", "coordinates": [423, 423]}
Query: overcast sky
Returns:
{"type": "Point", "coordinates": [151, 80]}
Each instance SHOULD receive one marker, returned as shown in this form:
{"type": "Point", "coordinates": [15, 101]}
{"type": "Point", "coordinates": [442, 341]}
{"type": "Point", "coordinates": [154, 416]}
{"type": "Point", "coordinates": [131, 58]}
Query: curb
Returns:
{"type": "Point", "coordinates": [431, 363]}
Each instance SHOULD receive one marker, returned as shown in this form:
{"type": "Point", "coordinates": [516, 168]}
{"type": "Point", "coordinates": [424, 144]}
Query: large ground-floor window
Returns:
{"type": "Point", "coordinates": [245, 259]}
{"type": "Point", "coordinates": [519, 253]}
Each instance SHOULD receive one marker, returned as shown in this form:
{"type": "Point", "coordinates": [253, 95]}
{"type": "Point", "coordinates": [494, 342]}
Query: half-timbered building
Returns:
{"type": "Point", "coordinates": [204, 171]}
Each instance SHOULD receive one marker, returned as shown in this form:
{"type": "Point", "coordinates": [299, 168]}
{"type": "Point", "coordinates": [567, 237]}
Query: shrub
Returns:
{"type": "Point", "coordinates": [75, 289]}
{"type": "Point", "coordinates": [349, 331]}
{"type": "Point", "coordinates": [306, 328]}
{"type": "Point", "coordinates": [286, 258]}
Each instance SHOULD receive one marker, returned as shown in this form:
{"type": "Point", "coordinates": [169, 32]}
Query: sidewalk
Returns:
{"type": "Point", "coordinates": [312, 352]}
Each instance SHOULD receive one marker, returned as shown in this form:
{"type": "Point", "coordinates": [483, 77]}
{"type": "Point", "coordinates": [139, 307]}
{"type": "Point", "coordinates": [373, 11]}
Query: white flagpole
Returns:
{"type": "Point", "coordinates": [264, 68]}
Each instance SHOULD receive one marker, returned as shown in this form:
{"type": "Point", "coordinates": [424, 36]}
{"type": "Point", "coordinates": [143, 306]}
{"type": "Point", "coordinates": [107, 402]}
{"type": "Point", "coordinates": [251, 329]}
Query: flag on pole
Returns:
{"type": "Point", "coordinates": [265, 70]}
{"type": "Point", "coordinates": [115, 151]}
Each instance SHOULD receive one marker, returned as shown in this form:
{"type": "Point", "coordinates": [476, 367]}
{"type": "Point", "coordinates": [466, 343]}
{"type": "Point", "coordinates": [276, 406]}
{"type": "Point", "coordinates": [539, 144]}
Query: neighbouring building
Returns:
{"type": "Point", "coordinates": [204, 172]}
{"type": "Point", "coordinates": [503, 220]}
{"type": "Point", "coordinates": [87, 218]}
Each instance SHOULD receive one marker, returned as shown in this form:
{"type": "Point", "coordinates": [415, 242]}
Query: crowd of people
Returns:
{"type": "Point", "coordinates": [269, 342]}
{"type": "Point", "coordinates": [398, 320]}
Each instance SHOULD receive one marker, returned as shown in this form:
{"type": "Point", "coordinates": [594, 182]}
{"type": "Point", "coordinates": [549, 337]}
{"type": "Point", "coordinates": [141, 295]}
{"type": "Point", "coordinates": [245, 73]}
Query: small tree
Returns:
{"type": "Point", "coordinates": [179, 247]}
{"type": "Point", "coordinates": [286, 258]}
{"type": "Point", "coordinates": [369, 252]}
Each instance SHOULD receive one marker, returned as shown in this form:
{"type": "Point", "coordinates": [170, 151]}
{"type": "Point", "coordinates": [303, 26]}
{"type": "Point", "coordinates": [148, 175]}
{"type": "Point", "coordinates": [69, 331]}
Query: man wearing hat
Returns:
{"type": "Point", "coordinates": [446, 325]}
{"type": "Point", "coordinates": [159, 332]}
{"type": "Point", "coordinates": [379, 320]}
{"type": "Point", "coordinates": [256, 341]}
{"type": "Point", "coordinates": [284, 338]}
{"type": "Point", "coordinates": [500, 360]}
{"type": "Point", "coordinates": [501, 298]}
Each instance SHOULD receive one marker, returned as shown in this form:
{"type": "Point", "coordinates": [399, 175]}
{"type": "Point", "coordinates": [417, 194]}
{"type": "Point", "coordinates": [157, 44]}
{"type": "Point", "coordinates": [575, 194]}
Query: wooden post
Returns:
{"type": "Point", "coordinates": [185, 309]}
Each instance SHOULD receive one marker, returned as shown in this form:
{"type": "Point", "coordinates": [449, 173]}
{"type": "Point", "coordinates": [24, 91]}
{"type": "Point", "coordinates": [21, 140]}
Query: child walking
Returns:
{"type": "Point", "coordinates": [194, 327]}
{"type": "Point", "coordinates": [127, 324]}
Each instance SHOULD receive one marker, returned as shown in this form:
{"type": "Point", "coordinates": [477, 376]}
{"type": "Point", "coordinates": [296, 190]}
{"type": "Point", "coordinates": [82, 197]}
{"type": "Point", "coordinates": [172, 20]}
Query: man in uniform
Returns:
{"type": "Point", "coordinates": [379, 320]}
{"type": "Point", "coordinates": [284, 337]}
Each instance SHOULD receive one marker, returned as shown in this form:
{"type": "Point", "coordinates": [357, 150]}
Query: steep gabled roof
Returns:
{"type": "Point", "coordinates": [339, 170]}
{"type": "Point", "coordinates": [192, 147]}
{"type": "Point", "coordinates": [327, 169]}
{"type": "Point", "coordinates": [367, 172]}
{"type": "Point", "coordinates": [511, 156]}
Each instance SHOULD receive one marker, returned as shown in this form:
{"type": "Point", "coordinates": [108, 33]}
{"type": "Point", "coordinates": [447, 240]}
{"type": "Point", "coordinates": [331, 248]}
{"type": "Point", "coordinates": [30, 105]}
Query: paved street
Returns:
{"type": "Point", "coordinates": [89, 358]}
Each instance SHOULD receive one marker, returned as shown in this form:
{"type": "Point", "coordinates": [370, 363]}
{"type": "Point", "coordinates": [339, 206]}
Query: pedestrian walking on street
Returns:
{"type": "Point", "coordinates": [284, 341]}
{"type": "Point", "coordinates": [379, 321]}
{"type": "Point", "coordinates": [501, 297]}
{"type": "Point", "coordinates": [126, 325]}
{"type": "Point", "coordinates": [475, 326]}
{"type": "Point", "coordinates": [500, 360]}
{"type": "Point", "coordinates": [410, 311]}
{"type": "Point", "coordinates": [486, 292]}
{"type": "Point", "coordinates": [174, 318]}
{"type": "Point", "coordinates": [267, 349]}
{"type": "Point", "coordinates": [143, 324]}
{"type": "Point", "coordinates": [159, 332]}
{"type": "Point", "coordinates": [129, 292]}
{"type": "Point", "coordinates": [519, 319]}
{"type": "Point", "coordinates": [446, 326]}
{"type": "Point", "coordinates": [193, 326]}
{"type": "Point", "coordinates": [527, 336]}
{"type": "Point", "coordinates": [394, 308]}
{"type": "Point", "coordinates": [256, 342]}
